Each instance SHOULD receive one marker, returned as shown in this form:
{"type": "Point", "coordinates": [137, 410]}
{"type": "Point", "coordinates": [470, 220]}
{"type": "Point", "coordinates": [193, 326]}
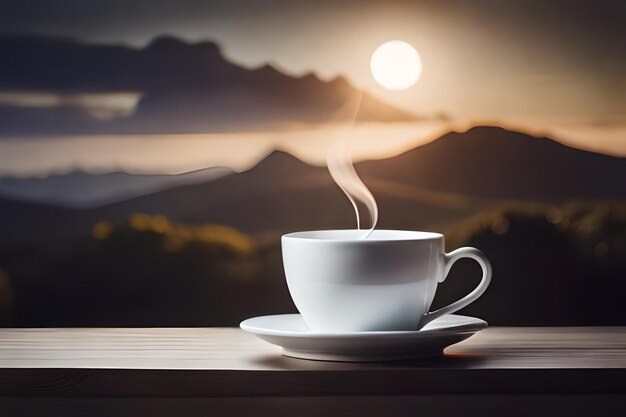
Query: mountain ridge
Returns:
{"type": "Point", "coordinates": [493, 162]}
{"type": "Point", "coordinates": [426, 188]}
{"type": "Point", "coordinates": [415, 166]}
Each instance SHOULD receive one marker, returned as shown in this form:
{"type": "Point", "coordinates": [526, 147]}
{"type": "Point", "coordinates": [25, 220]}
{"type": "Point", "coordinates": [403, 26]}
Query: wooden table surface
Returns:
{"type": "Point", "coordinates": [226, 362]}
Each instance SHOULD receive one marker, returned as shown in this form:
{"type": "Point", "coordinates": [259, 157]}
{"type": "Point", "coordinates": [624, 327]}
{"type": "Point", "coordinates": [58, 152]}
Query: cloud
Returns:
{"type": "Point", "coordinates": [104, 106]}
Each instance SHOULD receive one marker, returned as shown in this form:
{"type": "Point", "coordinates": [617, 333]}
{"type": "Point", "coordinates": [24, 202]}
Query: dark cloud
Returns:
{"type": "Point", "coordinates": [553, 49]}
{"type": "Point", "coordinates": [574, 30]}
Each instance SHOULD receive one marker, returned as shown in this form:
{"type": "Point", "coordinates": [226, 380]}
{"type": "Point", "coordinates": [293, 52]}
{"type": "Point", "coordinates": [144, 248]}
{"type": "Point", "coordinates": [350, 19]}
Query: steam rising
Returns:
{"type": "Point", "coordinates": [341, 168]}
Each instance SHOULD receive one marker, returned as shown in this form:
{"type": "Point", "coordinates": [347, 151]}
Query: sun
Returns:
{"type": "Point", "coordinates": [396, 65]}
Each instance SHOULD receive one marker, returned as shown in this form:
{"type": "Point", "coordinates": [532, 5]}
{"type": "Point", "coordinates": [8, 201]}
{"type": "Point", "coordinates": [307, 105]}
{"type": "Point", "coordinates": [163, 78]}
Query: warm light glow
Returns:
{"type": "Point", "coordinates": [396, 65]}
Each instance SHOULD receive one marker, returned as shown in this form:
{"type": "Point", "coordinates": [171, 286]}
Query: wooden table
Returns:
{"type": "Point", "coordinates": [191, 371]}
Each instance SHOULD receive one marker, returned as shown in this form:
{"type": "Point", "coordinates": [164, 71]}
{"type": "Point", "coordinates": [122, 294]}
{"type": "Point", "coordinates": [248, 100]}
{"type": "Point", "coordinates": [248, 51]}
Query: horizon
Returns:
{"type": "Point", "coordinates": [108, 193]}
{"type": "Point", "coordinates": [259, 147]}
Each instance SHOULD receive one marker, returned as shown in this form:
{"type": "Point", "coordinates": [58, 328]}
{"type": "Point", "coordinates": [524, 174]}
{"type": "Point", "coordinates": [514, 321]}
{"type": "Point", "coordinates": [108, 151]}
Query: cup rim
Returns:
{"type": "Point", "coordinates": [378, 235]}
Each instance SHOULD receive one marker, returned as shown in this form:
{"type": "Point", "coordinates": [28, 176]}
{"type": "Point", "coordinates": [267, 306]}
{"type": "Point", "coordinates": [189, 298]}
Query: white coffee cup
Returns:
{"type": "Point", "coordinates": [343, 282]}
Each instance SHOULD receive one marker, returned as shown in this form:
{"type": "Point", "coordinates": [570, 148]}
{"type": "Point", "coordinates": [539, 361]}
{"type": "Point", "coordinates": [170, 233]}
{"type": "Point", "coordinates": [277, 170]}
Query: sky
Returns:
{"type": "Point", "coordinates": [484, 59]}
{"type": "Point", "coordinates": [552, 67]}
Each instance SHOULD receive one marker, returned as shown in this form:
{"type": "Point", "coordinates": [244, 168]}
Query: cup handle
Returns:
{"type": "Point", "coordinates": [450, 259]}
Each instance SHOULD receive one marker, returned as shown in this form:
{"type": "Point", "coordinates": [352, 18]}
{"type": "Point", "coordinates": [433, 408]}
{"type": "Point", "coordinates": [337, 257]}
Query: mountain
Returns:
{"type": "Point", "coordinates": [431, 187]}
{"type": "Point", "coordinates": [278, 195]}
{"type": "Point", "coordinates": [184, 87]}
{"type": "Point", "coordinates": [283, 193]}
{"type": "Point", "coordinates": [81, 189]}
{"type": "Point", "coordinates": [495, 163]}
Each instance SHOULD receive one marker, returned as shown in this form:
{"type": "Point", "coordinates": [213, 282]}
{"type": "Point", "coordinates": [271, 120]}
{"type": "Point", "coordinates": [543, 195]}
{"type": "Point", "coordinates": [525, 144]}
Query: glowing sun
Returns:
{"type": "Point", "coordinates": [396, 65]}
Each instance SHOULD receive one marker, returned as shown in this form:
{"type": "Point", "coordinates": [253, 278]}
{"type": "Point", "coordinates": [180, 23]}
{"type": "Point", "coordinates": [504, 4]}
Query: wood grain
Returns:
{"type": "Point", "coordinates": [224, 362]}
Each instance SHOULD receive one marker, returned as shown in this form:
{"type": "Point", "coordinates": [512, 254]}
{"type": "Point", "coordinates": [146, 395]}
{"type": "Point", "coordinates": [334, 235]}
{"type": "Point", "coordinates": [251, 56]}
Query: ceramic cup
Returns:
{"type": "Point", "coordinates": [343, 282]}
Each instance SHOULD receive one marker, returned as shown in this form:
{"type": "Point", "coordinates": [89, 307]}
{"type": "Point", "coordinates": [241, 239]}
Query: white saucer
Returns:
{"type": "Point", "coordinates": [291, 333]}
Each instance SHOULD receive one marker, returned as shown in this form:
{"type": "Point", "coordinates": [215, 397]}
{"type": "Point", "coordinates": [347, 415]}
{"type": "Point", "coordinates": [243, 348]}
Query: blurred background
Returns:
{"type": "Point", "coordinates": [153, 152]}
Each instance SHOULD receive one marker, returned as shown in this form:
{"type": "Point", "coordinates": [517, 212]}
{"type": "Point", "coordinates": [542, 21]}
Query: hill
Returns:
{"type": "Point", "coordinates": [492, 162]}
{"type": "Point", "coordinates": [431, 187]}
